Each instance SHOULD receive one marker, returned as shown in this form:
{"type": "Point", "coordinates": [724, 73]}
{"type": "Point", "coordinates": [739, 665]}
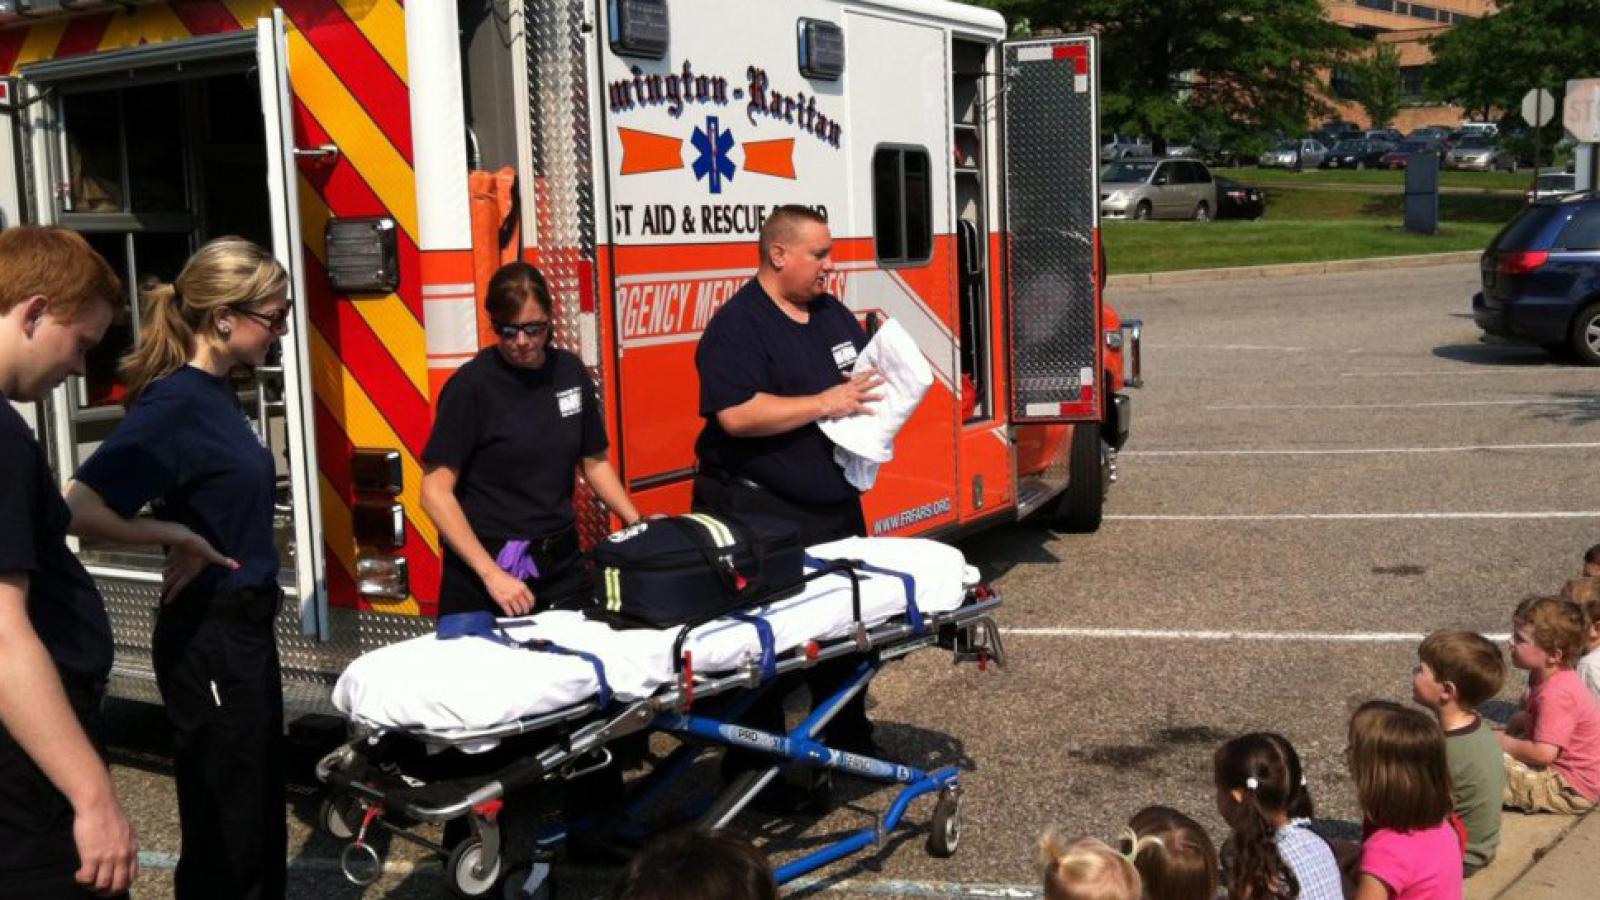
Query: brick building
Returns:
{"type": "Point", "coordinates": [1404, 25]}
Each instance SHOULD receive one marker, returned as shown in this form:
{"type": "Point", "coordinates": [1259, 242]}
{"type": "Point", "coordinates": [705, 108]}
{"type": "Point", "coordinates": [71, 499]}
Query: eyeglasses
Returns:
{"type": "Point", "coordinates": [278, 321]}
{"type": "Point", "coordinates": [508, 331]}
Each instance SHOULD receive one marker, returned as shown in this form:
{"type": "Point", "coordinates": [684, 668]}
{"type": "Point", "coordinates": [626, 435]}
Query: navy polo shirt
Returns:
{"type": "Point", "coordinates": [751, 347]}
{"type": "Point", "coordinates": [514, 436]}
{"type": "Point", "coordinates": [187, 448]}
{"type": "Point", "coordinates": [63, 605]}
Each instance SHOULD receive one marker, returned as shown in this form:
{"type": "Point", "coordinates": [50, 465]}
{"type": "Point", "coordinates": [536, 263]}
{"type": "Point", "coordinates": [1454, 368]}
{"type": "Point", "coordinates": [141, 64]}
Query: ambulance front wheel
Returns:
{"type": "Point", "coordinates": [1083, 502]}
{"type": "Point", "coordinates": [470, 874]}
{"type": "Point", "coordinates": [944, 830]}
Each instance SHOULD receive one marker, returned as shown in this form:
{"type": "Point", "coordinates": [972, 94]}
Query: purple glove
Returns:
{"type": "Point", "coordinates": [515, 560]}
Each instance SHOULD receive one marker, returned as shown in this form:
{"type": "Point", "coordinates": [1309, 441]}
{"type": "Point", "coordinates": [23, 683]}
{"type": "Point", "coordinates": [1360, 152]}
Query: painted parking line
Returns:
{"type": "Point", "coordinates": [1366, 451]}
{"type": "Point", "coordinates": [1290, 637]}
{"type": "Point", "coordinates": [1352, 517]}
{"type": "Point", "coordinates": [1498, 371]}
{"type": "Point", "coordinates": [1431, 404]}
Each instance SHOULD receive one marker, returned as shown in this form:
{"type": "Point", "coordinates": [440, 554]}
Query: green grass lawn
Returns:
{"type": "Point", "coordinates": [1495, 181]}
{"type": "Point", "coordinates": [1135, 247]}
{"type": "Point", "coordinates": [1345, 205]}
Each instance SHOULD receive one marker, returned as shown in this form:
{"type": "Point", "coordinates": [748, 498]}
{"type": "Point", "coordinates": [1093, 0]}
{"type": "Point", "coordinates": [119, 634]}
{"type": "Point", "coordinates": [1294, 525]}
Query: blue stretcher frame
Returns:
{"type": "Point", "coordinates": [969, 632]}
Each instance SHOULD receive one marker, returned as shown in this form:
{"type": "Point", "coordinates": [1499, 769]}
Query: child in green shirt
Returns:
{"type": "Point", "coordinates": [1455, 673]}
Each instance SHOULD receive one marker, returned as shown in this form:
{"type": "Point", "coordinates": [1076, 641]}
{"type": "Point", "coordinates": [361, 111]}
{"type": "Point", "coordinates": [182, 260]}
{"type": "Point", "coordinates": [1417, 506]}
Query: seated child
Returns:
{"type": "Point", "coordinates": [1586, 593]}
{"type": "Point", "coordinates": [1173, 854]}
{"type": "Point", "coordinates": [1552, 746]}
{"type": "Point", "coordinates": [1270, 855]}
{"type": "Point", "coordinates": [1456, 672]}
{"type": "Point", "coordinates": [1085, 869]}
{"type": "Point", "coordinates": [1398, 762]}
{"type": "Point", "coordinates": [693, 864]}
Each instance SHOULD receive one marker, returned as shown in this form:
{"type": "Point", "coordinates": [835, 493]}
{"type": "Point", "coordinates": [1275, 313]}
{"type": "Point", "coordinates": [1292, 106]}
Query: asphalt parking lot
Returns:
{"type": "Point", "coordinates": [1321, 470]}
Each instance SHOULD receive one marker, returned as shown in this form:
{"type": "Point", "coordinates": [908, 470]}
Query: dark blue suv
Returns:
{"type": "Point", "coordinates": [1541, 277]}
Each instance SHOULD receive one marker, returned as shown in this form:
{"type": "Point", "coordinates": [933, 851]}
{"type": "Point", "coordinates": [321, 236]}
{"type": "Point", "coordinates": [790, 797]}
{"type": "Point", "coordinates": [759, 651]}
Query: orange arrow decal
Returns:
{"type": "Point", "coordinates": [775, 158]}
{"type": "Point", "coordinates": [646, 152]}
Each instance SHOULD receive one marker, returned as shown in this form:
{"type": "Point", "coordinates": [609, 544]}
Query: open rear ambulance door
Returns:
{"type": "Point", "coordinates": [305, 507]}
{"type": "Point", "coordinates": [1050, 115]}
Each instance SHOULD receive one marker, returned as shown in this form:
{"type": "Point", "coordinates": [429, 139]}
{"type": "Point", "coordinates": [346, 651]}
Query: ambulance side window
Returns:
{"type": "Point", "coordinates": [902, 205]}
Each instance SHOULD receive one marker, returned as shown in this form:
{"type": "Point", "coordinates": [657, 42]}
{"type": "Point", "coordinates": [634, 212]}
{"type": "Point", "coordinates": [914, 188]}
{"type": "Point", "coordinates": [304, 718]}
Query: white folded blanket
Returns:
{"type": "Point", "coordinates": [468, 684]}
{"type": "Point", "coordinates": [865, 441]}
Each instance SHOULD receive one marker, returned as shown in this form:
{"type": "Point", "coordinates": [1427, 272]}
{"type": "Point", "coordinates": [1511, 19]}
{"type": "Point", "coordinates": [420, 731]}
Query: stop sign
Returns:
{"type": "Point", "coordinates": [1538, 107]}
{"type": "Point", "coordinates": [1581, 115]}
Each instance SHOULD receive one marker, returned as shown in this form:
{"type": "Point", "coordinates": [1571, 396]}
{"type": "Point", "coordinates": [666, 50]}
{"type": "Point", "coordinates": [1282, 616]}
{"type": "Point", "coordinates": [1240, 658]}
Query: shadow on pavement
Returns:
{"type": "Point", "coordinates": [1576, 408]}
{"type": "Point", "coordinates": [999, 550]}
{"type": "Point", "coordinates": [1508, 355]}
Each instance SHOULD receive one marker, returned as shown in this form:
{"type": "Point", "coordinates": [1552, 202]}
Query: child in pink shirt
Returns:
{"type": "Point", "coordinates": [1552, 745]}
{"type": "Point", "coordinates": [1397, 760]}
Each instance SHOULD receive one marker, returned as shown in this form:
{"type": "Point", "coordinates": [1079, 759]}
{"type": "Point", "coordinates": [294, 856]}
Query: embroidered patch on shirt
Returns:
{"type": "Point", "coordinates": [570, 401]}
{"type": "Point", "coordinates": [844, 355]}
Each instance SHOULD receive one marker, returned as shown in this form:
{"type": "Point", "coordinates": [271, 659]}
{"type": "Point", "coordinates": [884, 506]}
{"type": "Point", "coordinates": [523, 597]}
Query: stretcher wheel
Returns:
{"type": "Point", "coordinates": [944, 831]}
{"type": "Point", "coordinates": [470, 874]}
{"type": "Point", "coordinates": [340, 816]}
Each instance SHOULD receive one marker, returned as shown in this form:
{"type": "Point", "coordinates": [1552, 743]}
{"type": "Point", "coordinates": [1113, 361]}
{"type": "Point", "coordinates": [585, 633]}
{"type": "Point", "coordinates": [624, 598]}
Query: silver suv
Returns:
{"type": "Point", "coordinates": [1157, 189]}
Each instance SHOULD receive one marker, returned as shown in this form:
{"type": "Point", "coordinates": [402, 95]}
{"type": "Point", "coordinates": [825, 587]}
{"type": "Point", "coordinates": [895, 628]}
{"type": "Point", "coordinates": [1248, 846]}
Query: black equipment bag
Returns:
{"type": "Point", "coordinates": [669, 571]}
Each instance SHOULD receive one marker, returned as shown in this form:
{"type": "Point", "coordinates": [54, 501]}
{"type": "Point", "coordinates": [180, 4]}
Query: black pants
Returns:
{"type": "Point", "coordinates": [564, 581]}
{"type": "Point", "coordinates": [216, 661]}
{"type": "Point", "coordinates": [38, 855]}
{"type": "Point", "coordinates": [818, 523]}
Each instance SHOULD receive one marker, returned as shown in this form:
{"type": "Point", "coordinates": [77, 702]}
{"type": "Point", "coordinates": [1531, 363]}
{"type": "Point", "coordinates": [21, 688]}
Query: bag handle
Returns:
{"type": "Point", "coordinates": [696, 536]}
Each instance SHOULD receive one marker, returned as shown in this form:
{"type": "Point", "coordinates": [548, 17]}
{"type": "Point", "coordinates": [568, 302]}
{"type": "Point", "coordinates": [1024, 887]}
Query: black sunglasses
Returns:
{"type": "Point", "coordinates": [509, 331]}
{"type": "Point", "coordinates": [275, 321]}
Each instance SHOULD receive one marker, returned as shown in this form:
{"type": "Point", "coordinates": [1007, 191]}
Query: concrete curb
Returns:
{"type": "Point", "coordinates": [1325, 267]}
{"type": "Point", "coordinates": [1565, 868]}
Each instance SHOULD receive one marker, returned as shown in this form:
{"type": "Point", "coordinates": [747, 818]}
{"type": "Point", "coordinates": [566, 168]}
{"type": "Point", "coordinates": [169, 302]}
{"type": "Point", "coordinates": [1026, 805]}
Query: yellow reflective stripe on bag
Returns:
{"type": "Point", "coordinates": [721, 534]}
{"type": "Point", "coordinates": [613, 589]}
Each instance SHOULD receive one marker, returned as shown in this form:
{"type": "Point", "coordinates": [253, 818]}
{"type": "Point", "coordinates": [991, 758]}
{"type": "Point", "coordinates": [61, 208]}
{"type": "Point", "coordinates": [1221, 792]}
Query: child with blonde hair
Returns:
{"type": "Point", "coordinates": [1086, 869]}
{"type": "Point", "coordinates": [1174, 855]}
{"type": "Point", "coordinates": [1402, 774]}
{"type": "Point", "coordinates": [1552, 745]}
{"type": "Point", "coordinates": [1586, 593]}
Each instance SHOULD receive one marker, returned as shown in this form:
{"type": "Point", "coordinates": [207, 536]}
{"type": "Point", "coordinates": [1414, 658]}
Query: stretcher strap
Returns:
{"type": "Point", "coordinates": [481, 623]}
{"type": "Point", "coordinates": [769, 651]}
{"type": "Point", "coordinates": [907, 580]}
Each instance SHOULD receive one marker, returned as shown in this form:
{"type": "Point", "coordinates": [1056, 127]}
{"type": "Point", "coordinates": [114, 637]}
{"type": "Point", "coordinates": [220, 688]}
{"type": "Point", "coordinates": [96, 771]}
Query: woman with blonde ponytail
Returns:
{"type": "Point", "coordinates": [187, 450]}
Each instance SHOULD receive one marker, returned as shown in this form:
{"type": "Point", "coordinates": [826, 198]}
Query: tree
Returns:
{"type": "Point", "coordinates": [1184, 68]}
{"type": "Point", "coordinates": [1487, 64]}
{"type": "Point", "coordinates": [1376, 80]}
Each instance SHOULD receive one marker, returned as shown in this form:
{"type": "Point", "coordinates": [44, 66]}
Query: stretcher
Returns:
{"type": "Point", "coordinates": [444, 726]}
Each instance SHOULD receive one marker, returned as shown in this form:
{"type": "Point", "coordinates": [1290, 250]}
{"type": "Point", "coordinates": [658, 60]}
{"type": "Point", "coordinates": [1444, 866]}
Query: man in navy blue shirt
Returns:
{"type": "Point", "coordinates": [62, 832]}
{"type": "Point", "coordinates": [773, 361]}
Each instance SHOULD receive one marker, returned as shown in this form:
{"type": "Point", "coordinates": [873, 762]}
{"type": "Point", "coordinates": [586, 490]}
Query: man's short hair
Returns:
{"type": "Point", "coordinates": [781, 224]}
{"type": "Point", "coordinates": [1557, 625]}
{"type": "Point", "coordinates": [1592, 555]}
{"type": "Point", "coordinates": [57, 264]}
{"type": "Point", "coordinates": [1467, 660]}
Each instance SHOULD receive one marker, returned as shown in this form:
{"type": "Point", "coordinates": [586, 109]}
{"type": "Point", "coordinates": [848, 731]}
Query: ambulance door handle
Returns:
{"type": "Point", "coordinates": [322, 153]}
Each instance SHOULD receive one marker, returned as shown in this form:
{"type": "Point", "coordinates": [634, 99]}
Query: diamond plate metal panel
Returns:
{"type": "Point", "coordinates": [561, 132]}
{"type": "Point", "coordinates": [1052, 213]}
{"type": "Point", "coordinates": [310, 667]}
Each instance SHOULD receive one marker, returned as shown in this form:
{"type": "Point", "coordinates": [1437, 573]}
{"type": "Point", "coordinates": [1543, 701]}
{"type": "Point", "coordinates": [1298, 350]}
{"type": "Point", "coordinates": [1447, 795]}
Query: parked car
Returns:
{"type": "Point", "coordinates": [1541, 277]}
{"type": "Point", "coordinates": [1481, 129]}
{"type": "Point", "coordinates": [1397, 157]}
{"type": "Point", "coordinates": [1438, 134]}
{"type": "Point", "coordinates": [1121, 146]}
{"type": "Point", "coordinates": [1157, 189]}
{"type": "Point", "coordinates": [1334, 131]}
{"type": "Point", "coordinates": [1302, 153]}
{"type": "Point", "coordinates": [1356, 154]}
{"type": "Point", "coordinates": [1480, 153]}
{"type": "Point", "coordinates": [1385, 134]}
{"type": "Point", "coordinates": [1239, 201]}
{"type": "Point", "coordinates": [1552, 184]}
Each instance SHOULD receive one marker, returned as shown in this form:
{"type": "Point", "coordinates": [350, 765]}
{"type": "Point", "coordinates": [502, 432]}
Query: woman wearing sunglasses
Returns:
{"type": "Point", "coordinates": [187, 449]}
{"type": "Point", "coordinates": [512, 425]}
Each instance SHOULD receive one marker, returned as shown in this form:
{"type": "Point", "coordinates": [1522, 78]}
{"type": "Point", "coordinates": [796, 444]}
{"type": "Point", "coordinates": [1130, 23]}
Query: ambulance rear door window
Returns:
{"type": "Point", "coordinates": [902, 205]}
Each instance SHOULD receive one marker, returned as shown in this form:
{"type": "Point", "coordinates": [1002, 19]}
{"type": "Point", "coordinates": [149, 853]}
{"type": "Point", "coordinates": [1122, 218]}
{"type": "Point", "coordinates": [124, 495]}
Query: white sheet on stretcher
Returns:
{"type": "Point", "coordinates": [469, 684]}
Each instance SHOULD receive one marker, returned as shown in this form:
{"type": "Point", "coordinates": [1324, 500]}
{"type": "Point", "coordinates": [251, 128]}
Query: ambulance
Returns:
{"type": "Point", "coordinates": [394, 154]}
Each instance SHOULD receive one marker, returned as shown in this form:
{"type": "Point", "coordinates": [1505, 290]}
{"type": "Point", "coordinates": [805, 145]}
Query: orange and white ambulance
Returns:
{"type": "Point", "coordinates": [393, 154]}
